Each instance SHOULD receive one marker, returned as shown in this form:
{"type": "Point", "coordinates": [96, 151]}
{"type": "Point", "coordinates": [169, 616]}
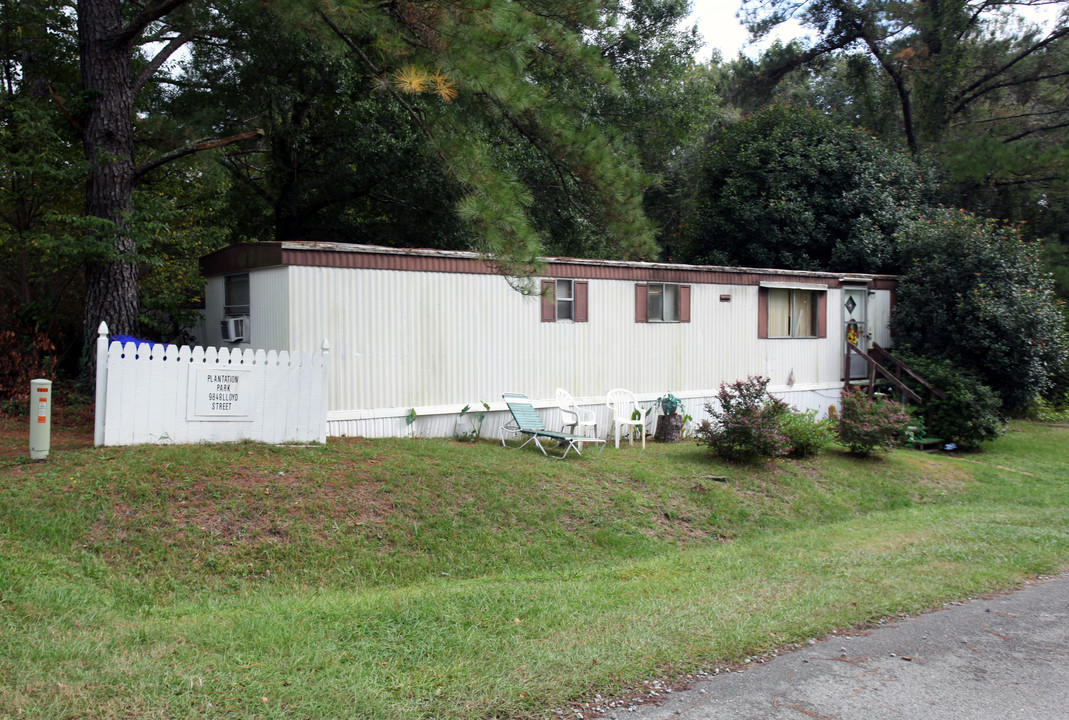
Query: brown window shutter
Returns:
{"type": "Point", "coordinates": [642, 310]}
{"type": "Point", "coordinates": [579, 313]}
{"type": "Point", "coordinates": [822, 314]}
{"type": "Point", "coordinates": [762, 312]}
{"type": "Point", "coordinates": [684, 303]}
{"type": "Point", "coordinates": [549, 301]}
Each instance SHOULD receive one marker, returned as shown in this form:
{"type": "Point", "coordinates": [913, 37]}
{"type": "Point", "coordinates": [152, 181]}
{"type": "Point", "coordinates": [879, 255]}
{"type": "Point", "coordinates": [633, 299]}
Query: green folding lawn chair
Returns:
{"type": "Point", "coordinates": [526, 421]}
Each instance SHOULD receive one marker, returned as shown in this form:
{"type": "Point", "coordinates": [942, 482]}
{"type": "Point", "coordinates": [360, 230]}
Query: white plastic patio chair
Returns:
{"type": "Point", "coordinates": [574, 417]}
{"type": "Point", "coordinates": [623, 405]}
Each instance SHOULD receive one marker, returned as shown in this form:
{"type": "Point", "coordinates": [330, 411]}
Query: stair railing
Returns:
{"type": "Point", "coordinates": [883, 355]}
{"type": "Point", "coordinates": [874, 369]}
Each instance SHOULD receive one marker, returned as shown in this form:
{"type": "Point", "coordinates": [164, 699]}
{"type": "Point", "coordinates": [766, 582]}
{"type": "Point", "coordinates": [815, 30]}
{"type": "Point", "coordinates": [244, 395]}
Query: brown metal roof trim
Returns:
{"type": "Point", "coordinates": [251, 256]}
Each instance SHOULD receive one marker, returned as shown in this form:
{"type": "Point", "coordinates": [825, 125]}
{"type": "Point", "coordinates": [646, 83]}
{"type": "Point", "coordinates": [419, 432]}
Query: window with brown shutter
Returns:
{"type": "Point", "coordinates": [641, 303]}
{"type": "Point", "coordinates": [549, 301]}
{"type": "Point", "coordinates": [580, 297]}
{"type": "Point", "coordinates": [662, 302]}
{"type": "Point", "coordinates": [565, 300]}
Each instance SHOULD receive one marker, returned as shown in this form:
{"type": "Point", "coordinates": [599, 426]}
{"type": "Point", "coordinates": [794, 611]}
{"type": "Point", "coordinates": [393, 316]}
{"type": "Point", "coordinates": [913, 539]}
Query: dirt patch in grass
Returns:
{"type": "Point", "coordinates": [66, 435]}
{"type": "Point", "coordinates": [248, 507]}
{"type": "Point", "coordinates": [676, 521]}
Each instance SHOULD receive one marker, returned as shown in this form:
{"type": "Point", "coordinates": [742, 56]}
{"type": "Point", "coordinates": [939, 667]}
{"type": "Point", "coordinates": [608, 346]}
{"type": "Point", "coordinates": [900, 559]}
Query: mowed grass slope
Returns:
{"type": "Point", "coordinates": [430, 578]}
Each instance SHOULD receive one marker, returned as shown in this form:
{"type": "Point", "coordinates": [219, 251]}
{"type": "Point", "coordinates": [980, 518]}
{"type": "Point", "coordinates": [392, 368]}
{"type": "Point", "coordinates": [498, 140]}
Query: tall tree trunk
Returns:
{"type": "Point", "coordinates": [111, 274]}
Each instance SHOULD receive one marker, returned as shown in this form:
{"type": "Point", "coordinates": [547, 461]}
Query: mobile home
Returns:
{"type": "Point", "coordinates": [423, 333]}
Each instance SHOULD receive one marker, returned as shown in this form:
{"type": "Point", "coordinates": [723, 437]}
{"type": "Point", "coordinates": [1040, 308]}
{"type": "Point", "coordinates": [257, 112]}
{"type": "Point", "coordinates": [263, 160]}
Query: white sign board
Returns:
{"type": "Point", "coordinates": [220, 394]}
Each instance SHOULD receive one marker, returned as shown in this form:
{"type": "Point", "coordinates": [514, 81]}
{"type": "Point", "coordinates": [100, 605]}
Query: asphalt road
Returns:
{"type": "Point", "coordinates": [999, 657]}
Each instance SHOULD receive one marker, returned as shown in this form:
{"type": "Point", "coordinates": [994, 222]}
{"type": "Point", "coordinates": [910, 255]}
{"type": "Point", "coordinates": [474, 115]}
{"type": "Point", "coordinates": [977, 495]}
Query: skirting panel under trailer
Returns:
{"type": "Point", "coordinates": [446, 421]}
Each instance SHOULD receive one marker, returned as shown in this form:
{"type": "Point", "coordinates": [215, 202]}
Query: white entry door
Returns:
{"type": "Point", "coordinates": [855, 327]}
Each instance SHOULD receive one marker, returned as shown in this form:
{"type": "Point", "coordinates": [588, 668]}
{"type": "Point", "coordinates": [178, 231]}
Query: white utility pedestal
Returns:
{"type": "Point", "coordinates": [40, 418]}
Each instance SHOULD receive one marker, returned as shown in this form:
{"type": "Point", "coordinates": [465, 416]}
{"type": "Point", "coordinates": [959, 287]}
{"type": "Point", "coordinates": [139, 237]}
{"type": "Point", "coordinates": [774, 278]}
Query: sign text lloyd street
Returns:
{"type": "Point", "coordinates": [222, 394]}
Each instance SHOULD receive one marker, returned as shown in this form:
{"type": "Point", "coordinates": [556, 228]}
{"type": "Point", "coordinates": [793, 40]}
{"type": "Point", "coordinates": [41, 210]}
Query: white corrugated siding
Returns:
{"type": "Point", "coordinates": [404, 340]}
{"type": "Point", "coordinates": [213, 310]}
{"type": "Point", "coordinates": [880, 311]}
{"type": "Point", "coordinates": [268, 326]}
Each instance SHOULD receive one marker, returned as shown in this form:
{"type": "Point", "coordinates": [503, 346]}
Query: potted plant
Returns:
{"type": "Point", "coordinates": [669, 404]}
{"type": "Point", "coordinates": [670, 423]}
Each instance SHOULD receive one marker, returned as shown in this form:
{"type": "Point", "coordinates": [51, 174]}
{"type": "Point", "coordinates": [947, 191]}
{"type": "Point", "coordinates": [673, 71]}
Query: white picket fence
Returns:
{"type": "Point", "coordinates": [171, 394]}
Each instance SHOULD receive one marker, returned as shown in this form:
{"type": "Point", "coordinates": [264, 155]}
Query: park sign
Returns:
{"type": "Point", "coordinates": [221, 394]}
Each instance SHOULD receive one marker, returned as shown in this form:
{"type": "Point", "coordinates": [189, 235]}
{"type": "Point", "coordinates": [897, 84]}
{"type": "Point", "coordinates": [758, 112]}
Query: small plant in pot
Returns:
{"type": "Point", "coordinates": [670, 424]}
{"type": "Point", "coordinates": [670, 404]}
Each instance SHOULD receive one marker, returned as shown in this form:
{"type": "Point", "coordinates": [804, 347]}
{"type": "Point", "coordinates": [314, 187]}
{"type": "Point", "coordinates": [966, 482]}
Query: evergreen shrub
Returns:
{"type": "Point", "coordinates": [970, 413]}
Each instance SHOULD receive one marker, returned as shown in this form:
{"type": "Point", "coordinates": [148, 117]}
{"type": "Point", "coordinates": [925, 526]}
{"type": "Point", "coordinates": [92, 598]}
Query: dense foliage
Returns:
{"type": "Point", "coordinates": [975, 294]}
{"type": "Point", "coordinates": [869, 424]}
{"type": "Point", "coordinates": [339, 159]}
{"type": "Point", "coordinates": [41, 170]}
{"type": "Point", "coordinates": [790, 188]}
{"type": "Point", "coordinates": [806, 434]}
{"type": "Point", "coordinates": [970, 412]}
{"type": "Point", "coordinates": [978, 88]}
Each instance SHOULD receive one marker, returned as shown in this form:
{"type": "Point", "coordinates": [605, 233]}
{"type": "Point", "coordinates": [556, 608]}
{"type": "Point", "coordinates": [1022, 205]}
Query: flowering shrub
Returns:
{"type": "Point", "coordinates": [869, 424]}
{"type": "Point", "coordinates": [807, 435]}
{"type": "Point", "coordinates": [746, 424]}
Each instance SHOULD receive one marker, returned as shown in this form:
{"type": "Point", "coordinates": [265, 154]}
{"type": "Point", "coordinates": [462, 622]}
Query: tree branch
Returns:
{"type": "Point", "coordinates": [970, 93]}
{"type": "Point", "coordinates": [1032, 131]}
{"type": "Point", "coordinates": [1012, 82]}
{"type": "Point", "coordinates": [149, 15]}
{"type": "Point", "coordinates": [63, 109]}
{"type": "Point", "coordinates": [765, 81]}
{"type": "Point", "coordinates": [240, 174]}
{"type": "Point", "coordinates": [1025, 181]}
{"type": "Point", "coordinates": [974, 19]}
{"type": "Point", "coordinates": [1003, 118]}
{"type": "Point", "coordinates": [562, 173]}
{"type": "Point", "coordinates": [161, 57]}
{"type": "Point", "coordinates": [196, 148]}
{"type": "Point", "coordinates": [904, 100]}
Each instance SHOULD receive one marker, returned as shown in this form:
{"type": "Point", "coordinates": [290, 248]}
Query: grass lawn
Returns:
{"type": "Point", "coordinates": [436, 579]}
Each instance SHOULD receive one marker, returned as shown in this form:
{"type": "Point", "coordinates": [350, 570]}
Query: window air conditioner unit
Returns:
{"type": "Point", "coordinates": [233, 329]}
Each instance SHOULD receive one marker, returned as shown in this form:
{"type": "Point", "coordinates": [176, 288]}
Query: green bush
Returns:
{"type": "Point", "coordinates": [1045, 411]}
{"type": "Point", "coordinates": [746, 424]}
{"type": "Point", "coordinates": [1056, 395]}
{"type": "Point", "coordinates": [807, 435]}
{"type": "Point", "coordinates": [976, 294]}
{"type": "Point", "coordinates": [970, 413]}
{"type": "Point", "coordinates": [869, 424]}
{"type": "Point", "coordinates": [789, 187]}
